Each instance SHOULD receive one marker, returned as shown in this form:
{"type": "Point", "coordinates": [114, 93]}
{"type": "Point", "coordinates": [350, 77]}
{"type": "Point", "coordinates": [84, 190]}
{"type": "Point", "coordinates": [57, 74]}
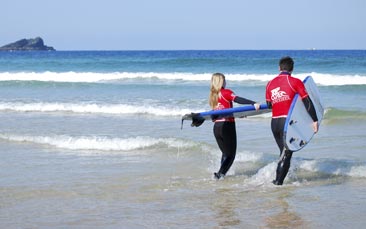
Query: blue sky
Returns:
{"type": "Point", "coordinates": [188, 24]}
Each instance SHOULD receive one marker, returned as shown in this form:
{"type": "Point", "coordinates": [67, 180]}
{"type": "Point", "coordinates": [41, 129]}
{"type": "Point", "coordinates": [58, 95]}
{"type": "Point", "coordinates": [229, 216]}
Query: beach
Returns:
{"type": "Point", "coordinates": [93, 139]}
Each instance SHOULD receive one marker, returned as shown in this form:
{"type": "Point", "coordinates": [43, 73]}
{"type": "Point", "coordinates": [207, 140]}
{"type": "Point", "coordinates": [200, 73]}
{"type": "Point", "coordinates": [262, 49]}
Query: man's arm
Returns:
{"type": "Point", "coordinates": [311, 110]}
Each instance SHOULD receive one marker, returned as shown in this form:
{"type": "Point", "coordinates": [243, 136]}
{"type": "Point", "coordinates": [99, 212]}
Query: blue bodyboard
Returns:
{"type": "Point", "coordinates": [238, 112]}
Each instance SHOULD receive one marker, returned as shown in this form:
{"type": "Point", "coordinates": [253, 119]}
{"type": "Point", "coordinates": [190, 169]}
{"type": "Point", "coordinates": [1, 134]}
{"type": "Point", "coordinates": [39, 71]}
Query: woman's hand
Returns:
{"type": "Point", "coordinates": [257, 106]}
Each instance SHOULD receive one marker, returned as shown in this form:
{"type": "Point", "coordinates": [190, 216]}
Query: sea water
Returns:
{"type": "Point", "coordinates": [93, 139]}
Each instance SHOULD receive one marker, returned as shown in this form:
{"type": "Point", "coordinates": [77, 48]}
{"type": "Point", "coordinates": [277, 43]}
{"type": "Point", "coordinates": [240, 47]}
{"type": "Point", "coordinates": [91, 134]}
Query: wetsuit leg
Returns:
{"type": "Point", "coordinates": [283, 165]}
{"type": "Point", "coordinates": [225, 134]}
{"type": "Point", "coordinates": [277, 125]}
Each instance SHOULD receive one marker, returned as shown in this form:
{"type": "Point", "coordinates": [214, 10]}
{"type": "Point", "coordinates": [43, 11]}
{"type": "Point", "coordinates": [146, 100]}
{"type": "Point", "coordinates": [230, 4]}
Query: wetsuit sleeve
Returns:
{"type": "Point", "coordinates": [242, 100]}
{"type": "Point", "coordinates": [268, 96]}
{"type": "Point", "coordinates": [269, 104]}
{"type": "Point", "coordinates": [310, 108]}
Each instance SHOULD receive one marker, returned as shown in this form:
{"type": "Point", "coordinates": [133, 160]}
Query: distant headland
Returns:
{"type": "Point", "coordinates": [35, 44]}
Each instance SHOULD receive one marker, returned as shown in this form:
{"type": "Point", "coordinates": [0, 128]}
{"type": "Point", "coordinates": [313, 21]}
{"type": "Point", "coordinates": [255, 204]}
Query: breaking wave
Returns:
{"type": "Point", "coordinates": [318, 168]}
{"type": "Point", "coordinates": [340, 114]}
{"type": "Point", "coordinates": [102, 143]}
{"type": "Point", "coordinates": [151, 109]}
{"type": "Point", "coordinates": [93, 108]}
{"type": "Point", "coordinates": [308, 171]}
{"type": "Point", "coordinates": [93, 77]}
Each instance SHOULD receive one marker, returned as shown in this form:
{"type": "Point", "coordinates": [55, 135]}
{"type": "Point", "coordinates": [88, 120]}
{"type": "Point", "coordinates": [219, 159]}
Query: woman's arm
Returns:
{"type": "Point", "coordinates": [242, 100]}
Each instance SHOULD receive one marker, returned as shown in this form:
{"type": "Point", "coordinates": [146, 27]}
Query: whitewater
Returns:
{"type": "Point", "coordinates": [93, 77]}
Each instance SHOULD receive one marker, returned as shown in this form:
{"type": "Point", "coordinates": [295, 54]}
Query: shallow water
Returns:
{"type": "Point", "coordinates": [94, 139]}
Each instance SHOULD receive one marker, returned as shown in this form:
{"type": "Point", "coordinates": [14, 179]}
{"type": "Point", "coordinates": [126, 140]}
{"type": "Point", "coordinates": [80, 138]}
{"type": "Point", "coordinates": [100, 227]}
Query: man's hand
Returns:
{"type": "Point", "coordinates": [315, 127]}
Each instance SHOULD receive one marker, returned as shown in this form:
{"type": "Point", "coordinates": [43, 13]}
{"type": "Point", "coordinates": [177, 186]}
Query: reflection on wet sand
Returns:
{"type": "Point", "coordinates": [285, 216]}
{"type": "Point", "coordinates": [226, 214]}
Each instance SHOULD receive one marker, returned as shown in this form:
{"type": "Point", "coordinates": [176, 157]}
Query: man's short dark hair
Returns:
{"type": "Point", "coordinates": [286, 64]}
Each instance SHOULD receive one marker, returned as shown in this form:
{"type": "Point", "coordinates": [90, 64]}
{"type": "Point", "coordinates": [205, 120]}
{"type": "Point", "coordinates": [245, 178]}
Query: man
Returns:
{"type": "Point", "coordinates": [280, 92]}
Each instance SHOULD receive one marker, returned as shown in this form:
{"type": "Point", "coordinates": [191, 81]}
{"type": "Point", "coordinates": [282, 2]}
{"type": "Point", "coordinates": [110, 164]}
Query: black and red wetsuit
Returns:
{"type": "Point", "coordinates": [225, 131]}
{"type": "Point", "coordinates": [279, 95]}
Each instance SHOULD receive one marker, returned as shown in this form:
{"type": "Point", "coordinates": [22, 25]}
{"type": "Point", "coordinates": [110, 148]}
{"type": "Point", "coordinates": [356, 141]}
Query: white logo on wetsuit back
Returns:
{"type": "Point", "coordinates": [278, 96]}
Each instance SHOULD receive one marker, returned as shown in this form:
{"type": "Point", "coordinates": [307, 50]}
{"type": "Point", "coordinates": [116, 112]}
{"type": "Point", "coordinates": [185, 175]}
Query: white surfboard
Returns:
{"type": "Point", "coordinates": [298, 128]}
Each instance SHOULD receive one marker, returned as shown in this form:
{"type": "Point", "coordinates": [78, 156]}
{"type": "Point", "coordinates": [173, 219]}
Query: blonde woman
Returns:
{"type": "Point", "coordinates": [224, 128]}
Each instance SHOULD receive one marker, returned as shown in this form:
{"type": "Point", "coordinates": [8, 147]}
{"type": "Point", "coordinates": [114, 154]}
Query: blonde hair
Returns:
{"type": "Point", "coordinates": [217, 82]}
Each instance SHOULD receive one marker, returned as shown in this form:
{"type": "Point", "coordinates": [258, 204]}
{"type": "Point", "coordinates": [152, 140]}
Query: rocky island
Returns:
{"type": "Point", "coordinates": [35, 44]}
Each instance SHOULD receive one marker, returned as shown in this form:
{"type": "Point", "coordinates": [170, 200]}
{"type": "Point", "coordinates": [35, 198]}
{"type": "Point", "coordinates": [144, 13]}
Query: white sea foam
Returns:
{"type": "Point", "coordinates": [100, 109]}
{"type": "Point", "coordinates": [248, 157]}
{"type": "Point", "coordinates": [265, 175]}
{"type": "Point", "coordinates": [93, 77]}
{"type": "Point", "coordinates": [102, 143]}
{"type": "Point", "coordinates": [339, 168]}
{"type": "Point", "coordinates": [358, 171]}
{"type": "Point", "coordinates": [93, 108]}
{"type": "Point", "coordinates": [337, 80]}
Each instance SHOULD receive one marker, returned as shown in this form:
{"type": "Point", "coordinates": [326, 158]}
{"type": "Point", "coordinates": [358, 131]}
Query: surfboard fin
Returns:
{"type": "Point", "coordinates": [292, 122]}
{"type": "Point", "coordinates": [302, 143]}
